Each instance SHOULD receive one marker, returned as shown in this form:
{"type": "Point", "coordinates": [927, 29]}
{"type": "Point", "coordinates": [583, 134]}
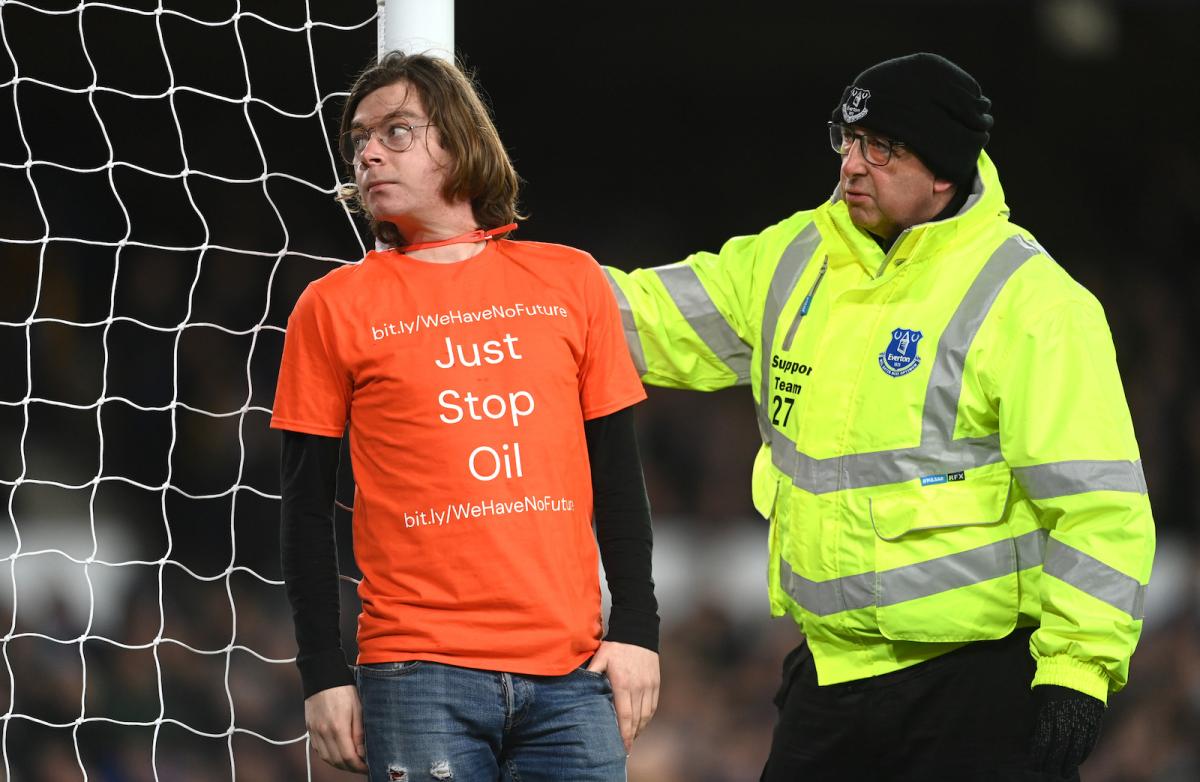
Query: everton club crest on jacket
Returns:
{"type": "Point", "coordinates": [900, 357]}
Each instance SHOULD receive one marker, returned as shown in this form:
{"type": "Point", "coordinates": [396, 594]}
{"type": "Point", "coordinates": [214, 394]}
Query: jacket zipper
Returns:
{"type": "Point", "coordinates": [791, 333]}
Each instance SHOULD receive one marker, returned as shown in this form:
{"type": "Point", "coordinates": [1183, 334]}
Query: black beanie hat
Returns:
{"type": "Point", "coordinates": [929, 103]}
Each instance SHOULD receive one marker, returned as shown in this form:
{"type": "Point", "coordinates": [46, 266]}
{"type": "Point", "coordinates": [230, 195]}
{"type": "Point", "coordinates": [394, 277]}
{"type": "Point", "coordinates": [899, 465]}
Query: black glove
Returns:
{"type": "Point", "coordinates": [1065, 728]}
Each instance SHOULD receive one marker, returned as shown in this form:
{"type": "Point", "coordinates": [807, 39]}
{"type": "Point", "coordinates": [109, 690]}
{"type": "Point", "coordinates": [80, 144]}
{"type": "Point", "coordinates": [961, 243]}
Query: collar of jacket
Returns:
{"type": "Point", "coordinates": [921, 242]}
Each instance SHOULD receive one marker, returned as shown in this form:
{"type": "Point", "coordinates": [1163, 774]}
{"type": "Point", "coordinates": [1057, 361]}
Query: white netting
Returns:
{"type": "Point", "coordinates": [167, 177]}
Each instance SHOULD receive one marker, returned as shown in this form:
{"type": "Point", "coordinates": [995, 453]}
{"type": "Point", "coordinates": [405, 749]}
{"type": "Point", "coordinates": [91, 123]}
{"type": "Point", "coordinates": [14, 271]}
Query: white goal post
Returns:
{"type": "Point", "coordinates": [417, 26]}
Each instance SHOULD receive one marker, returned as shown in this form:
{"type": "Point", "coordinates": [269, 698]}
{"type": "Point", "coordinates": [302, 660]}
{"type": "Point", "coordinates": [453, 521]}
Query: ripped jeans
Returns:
{"type": "Point", "coordinates": [428, 722]}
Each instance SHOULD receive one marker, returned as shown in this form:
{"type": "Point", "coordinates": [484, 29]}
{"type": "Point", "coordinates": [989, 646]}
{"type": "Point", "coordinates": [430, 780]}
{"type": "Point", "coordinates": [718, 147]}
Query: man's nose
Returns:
{"type": "Point", "coordinates": [372, 152]}
{"type": "Point", "coordinates": [853, 163]}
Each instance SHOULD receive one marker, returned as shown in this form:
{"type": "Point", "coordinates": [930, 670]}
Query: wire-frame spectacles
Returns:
{"type": "Point", "coordinates": [395, 135]}
{"type": "Point", "coordinates": [875, 150]}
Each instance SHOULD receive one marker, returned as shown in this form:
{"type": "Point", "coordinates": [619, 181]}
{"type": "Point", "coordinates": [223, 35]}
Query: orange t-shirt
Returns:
{"type": "Point", "coordinates": [466, 386]}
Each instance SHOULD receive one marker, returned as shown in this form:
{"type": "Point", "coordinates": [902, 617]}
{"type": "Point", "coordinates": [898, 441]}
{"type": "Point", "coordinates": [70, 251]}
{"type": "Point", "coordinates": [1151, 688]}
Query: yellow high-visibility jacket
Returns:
{"type": "Point", "coordinates": [947, 450]}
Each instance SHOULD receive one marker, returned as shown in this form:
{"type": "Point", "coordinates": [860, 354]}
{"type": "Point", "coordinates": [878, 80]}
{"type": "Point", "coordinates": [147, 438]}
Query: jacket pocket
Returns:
{"type": "Point", "coordinates": [945, 561]}
{"type": "Point", "coordinates": [970, 499]}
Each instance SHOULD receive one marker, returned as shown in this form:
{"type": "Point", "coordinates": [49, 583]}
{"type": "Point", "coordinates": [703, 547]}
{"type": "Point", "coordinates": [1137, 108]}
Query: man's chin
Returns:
{"type": "Point", "coordinates": [382, 212]}
{"type": "Point", "coordinates": [863, 217]}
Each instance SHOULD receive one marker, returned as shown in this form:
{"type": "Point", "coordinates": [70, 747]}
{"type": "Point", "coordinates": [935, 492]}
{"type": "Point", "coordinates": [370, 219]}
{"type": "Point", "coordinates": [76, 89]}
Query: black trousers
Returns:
{"type": "Point", "coordinates": [965, 716]}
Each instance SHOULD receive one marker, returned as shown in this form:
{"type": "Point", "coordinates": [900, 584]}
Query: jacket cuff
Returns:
{"type": "Point", "coordinates": [323, 671]}
{"type": "Point", "coordinates": [1080, 675]}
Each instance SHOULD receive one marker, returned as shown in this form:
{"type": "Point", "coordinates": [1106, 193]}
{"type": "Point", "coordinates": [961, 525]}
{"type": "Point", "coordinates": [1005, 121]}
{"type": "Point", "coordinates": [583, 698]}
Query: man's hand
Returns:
{"type": "Point", "coordinates": [633, 673]}
{"type": "Point", "coordinates": [335, 727]}
{"type": "Point", "coordinates": [1065, 728]}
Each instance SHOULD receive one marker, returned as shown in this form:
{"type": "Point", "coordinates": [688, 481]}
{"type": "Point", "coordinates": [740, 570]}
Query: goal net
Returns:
{"type": "Point", "coordinates": [168, 173]}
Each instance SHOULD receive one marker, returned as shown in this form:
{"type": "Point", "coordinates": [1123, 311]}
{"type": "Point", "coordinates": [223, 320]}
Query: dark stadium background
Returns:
{"type": "Point", "coordinates": [644, 131]}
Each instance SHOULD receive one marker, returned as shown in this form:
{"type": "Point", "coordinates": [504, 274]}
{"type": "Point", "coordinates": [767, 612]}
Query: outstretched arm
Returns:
{"type": "Point", "coordinates": [697, 324]}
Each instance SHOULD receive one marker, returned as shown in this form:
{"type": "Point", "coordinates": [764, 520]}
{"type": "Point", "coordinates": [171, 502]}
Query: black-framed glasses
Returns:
{"type": "Point", "coordinates": [875, 150]}
{"type": "Point", "coordinates": [394, 134]}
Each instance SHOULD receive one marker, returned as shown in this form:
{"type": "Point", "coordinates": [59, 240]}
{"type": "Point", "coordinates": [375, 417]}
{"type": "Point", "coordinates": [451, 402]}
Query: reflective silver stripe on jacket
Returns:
{"type": "Point", "coordinates": [921, 579]}
{"type": "Point", "coordinates": [784, 280]}
{"type": "Point", "coordinates": [688, 293]}
{"type": "Point", "coordinates": [629, 325]}
{"type": "Point", "coordinates": [1060, 479]}
{"type": "Point", "coordinates": [945, 380]}
{"type": "Point", "coordinates": [877, 468]}
{"type": "Point", "coordinates": [1090, 575]}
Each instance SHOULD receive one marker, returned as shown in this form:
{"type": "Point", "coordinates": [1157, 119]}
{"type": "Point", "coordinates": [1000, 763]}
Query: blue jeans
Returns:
{"type": "Point", "coordinates": [428, 721]}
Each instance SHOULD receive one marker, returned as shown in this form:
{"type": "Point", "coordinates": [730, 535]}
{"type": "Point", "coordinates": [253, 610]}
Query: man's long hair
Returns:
{"type": "Point", "coordinates": [480, 170]}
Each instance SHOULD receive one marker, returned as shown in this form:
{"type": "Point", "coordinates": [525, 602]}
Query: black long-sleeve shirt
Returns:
{"type": "Point", "coordinates": [309, 476]}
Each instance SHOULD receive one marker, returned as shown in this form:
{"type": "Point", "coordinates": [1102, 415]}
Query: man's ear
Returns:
{"type": "Point", "coordinates": [941, 185]}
